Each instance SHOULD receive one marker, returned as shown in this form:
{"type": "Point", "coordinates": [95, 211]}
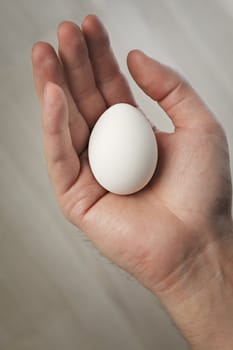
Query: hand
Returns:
{"type": "Point", "coordinates": [168, 234]}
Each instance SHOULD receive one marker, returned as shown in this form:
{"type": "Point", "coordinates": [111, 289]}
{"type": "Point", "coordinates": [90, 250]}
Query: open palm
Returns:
{"type": "Point", "coordinates": [157, 233]}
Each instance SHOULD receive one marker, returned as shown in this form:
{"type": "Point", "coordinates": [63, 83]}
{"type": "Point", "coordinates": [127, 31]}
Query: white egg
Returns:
{"type": "Point", "coordinates": [122, 150]}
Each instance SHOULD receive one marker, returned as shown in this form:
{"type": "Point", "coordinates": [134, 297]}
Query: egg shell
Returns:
{"type": "Point", "coordinates": [122, 150]}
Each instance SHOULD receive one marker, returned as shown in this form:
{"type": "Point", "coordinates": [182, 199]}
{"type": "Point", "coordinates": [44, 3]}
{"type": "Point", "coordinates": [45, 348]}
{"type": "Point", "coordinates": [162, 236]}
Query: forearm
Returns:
{"type": "Point", "coordinates": [201, 303]}
{"type": "Point", "coordinates": [206, 320]}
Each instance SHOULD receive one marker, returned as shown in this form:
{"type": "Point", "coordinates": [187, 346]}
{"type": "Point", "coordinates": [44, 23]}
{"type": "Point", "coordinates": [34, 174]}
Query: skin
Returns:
{"type": "Point", "coordinates": [175, 235]}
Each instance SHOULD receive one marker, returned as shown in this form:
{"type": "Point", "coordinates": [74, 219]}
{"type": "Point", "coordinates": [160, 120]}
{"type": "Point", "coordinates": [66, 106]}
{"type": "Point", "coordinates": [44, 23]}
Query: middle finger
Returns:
{"type": "Point", "coordinates": [74, 55]}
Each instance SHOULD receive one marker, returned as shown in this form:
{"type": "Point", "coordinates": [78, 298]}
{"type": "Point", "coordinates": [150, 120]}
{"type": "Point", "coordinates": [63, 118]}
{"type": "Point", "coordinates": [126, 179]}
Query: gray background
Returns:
{"type": "Point", "coordinates": [56, 291]}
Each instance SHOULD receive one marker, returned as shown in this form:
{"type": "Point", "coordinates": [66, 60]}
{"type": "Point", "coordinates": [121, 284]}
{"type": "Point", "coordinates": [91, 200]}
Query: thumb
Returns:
{"type": "Point", "coordinates": [173, 93]}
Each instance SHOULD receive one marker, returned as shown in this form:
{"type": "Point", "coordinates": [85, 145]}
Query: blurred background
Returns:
{"type": "Point", "coordinates": [56, 290]}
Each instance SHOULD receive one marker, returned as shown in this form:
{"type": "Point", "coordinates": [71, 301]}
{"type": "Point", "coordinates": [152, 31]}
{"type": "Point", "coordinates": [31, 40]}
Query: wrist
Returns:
{"type": "Point", "coordinates": [201, 302]}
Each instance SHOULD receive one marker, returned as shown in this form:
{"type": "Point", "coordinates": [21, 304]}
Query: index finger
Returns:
{"type": "Point", "coordinates": [110, 81]}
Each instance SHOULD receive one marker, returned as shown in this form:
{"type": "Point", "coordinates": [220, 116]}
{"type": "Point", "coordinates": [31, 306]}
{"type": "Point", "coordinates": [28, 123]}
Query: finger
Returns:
{"type": "Point", "coordinates": [109, 78]}
{"type": "Point", "coordinates": [74, 55]}
{"type": "Point", "coordinates": [46, 67]}
{"type": "Point", "coordinates": [62, 160]}
{"type": "Point", "coordinates": [173, 93]}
